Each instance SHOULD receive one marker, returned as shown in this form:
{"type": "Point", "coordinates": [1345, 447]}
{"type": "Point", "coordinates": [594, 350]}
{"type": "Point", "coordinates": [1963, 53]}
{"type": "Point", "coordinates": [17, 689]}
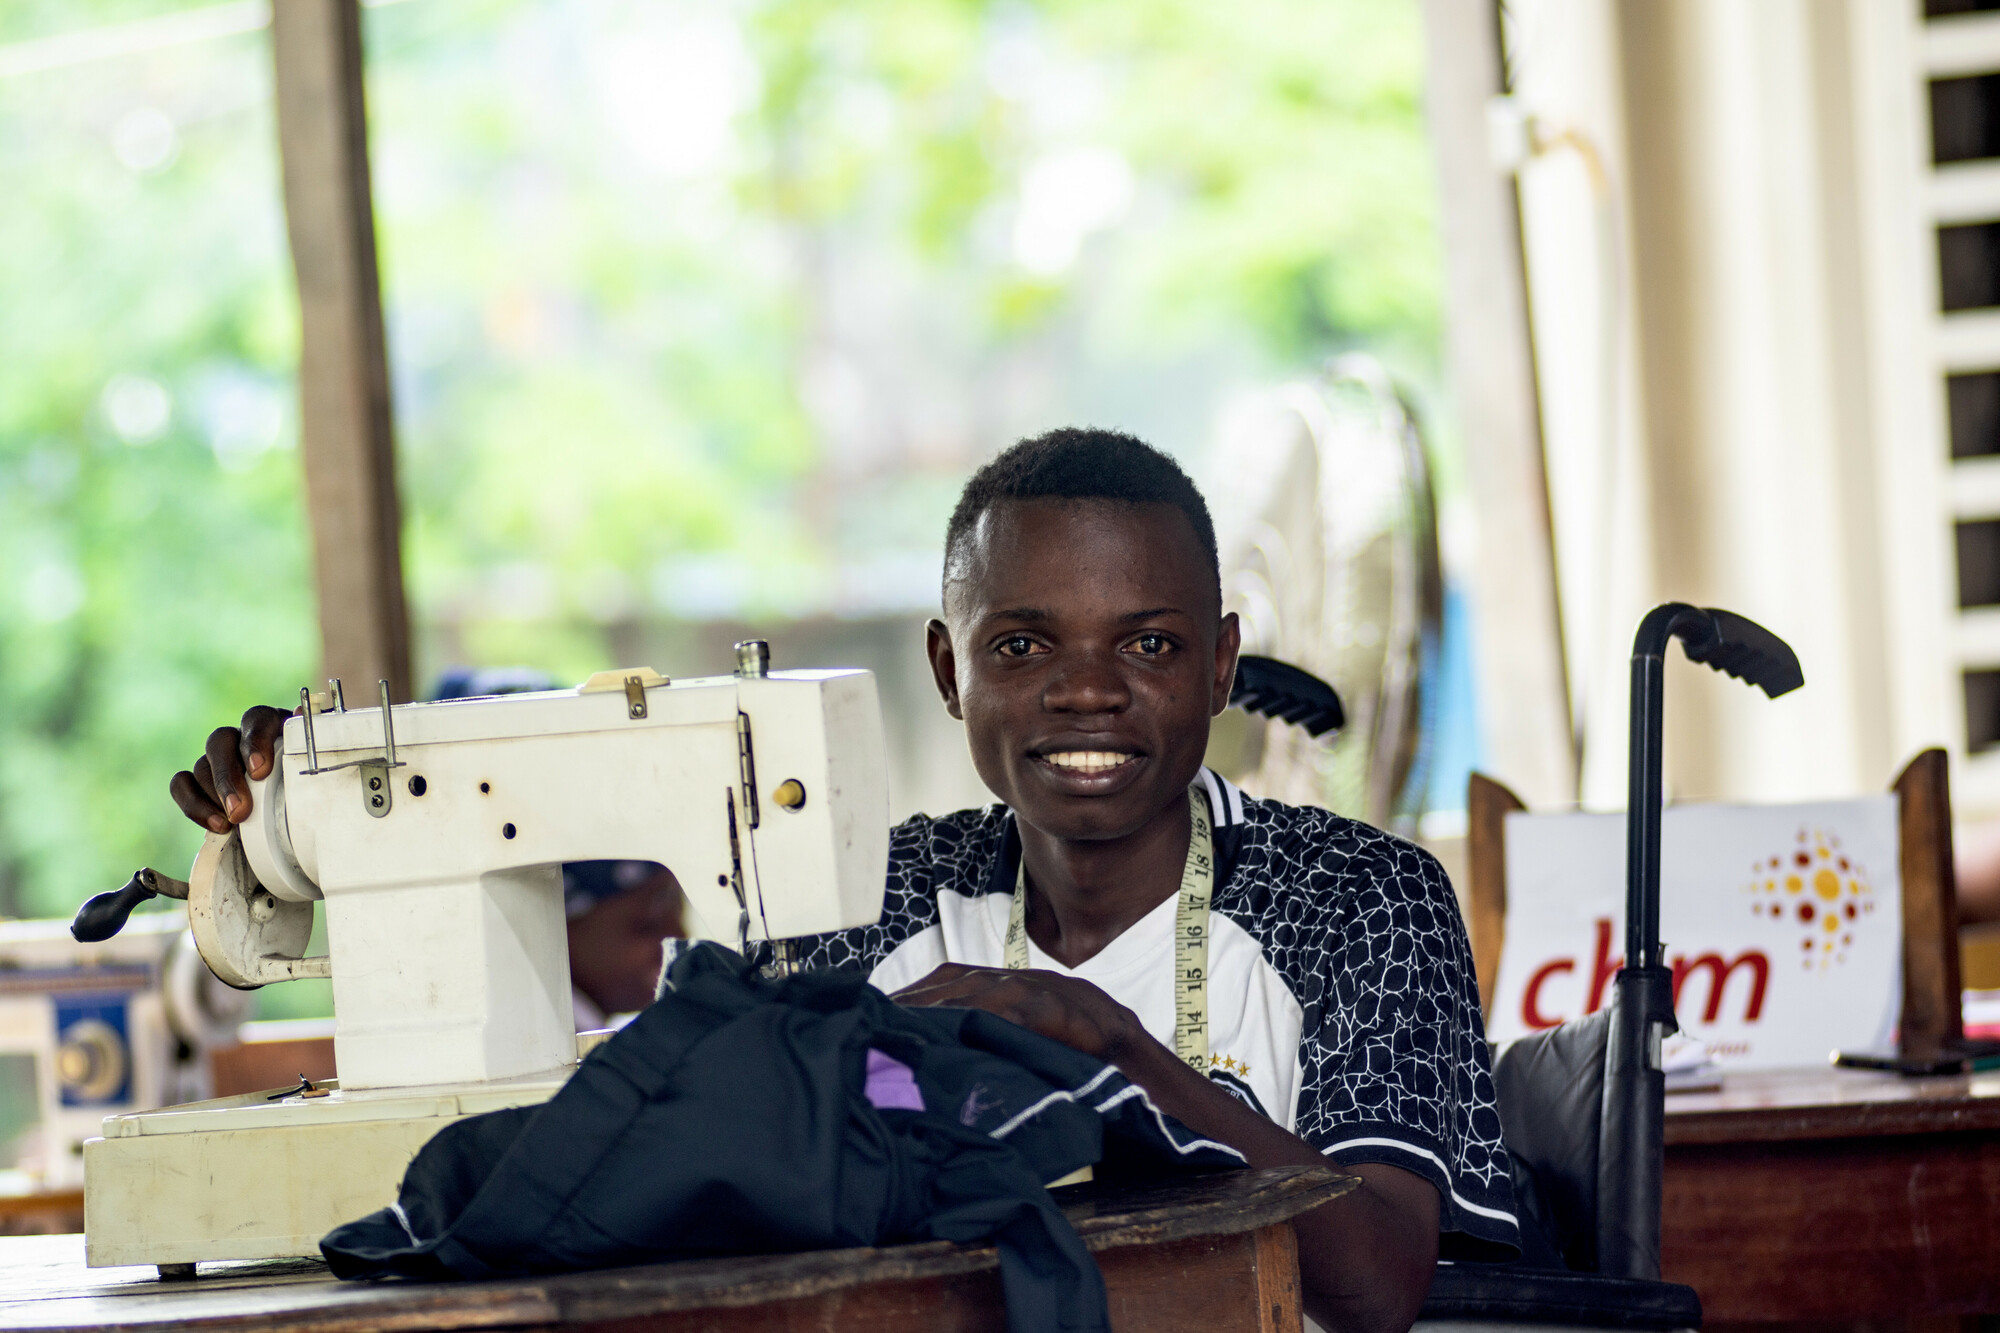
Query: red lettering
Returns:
{"type": "Point", "coordinates": [1605, 968]}
{"type": "Point", "coordinates": [1531, 1001]}
{"type": "Point", "coordinates": [1718, 976]}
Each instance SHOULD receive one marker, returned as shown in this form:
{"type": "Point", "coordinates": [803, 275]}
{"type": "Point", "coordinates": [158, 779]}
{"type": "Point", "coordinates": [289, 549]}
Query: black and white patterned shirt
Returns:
{"type": "Point", "coordinates": [1342, 1001]}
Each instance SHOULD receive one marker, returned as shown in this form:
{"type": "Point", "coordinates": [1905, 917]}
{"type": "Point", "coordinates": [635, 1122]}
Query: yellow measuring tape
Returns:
{"type": "Point", "coordinates": [1190, 936]}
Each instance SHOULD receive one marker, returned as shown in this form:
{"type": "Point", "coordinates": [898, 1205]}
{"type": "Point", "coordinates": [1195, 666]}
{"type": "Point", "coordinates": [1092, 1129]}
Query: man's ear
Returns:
{"type": "Point", "coordinates": [944, 665]}
{"type": "Point", "coordinates": [1228, 639]}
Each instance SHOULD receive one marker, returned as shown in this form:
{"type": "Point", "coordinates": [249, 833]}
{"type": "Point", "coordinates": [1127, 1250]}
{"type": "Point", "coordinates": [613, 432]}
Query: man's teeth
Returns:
{"type": "Point", "coordinates": [1087, 761]}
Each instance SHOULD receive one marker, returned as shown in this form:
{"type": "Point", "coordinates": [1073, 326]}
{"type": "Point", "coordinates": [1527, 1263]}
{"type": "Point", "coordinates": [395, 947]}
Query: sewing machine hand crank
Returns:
{"type": "Point", "coordinates": [104, 915]}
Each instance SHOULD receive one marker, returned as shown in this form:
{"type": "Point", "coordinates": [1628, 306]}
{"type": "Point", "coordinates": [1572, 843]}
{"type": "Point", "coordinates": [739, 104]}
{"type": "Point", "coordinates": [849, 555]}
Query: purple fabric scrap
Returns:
{"type": "Point", "coordinates": [892, 1085]}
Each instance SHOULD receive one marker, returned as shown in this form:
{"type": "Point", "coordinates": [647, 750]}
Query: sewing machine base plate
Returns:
{"type": "Point", "coordinates": [251, 1178]}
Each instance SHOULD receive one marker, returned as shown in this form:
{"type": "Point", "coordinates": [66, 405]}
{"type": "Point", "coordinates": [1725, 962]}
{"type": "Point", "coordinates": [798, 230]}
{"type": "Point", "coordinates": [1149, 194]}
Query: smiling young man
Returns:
{"type": "Point", "coordinates": [1085, 649]}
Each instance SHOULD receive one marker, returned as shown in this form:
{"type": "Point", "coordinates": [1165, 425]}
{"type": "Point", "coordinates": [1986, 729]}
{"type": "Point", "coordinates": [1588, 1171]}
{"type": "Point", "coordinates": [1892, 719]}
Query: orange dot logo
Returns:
{"type": "Point", "coordinates": [1819, 889]}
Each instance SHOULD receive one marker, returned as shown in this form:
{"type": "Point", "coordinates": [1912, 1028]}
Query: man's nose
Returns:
{"type": "Point", "coordinates": [1087, 682]}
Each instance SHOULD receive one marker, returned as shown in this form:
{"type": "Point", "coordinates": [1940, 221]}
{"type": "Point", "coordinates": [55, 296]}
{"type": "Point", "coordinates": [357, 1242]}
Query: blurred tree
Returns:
{"type": "Point", "coordinates": [698, 311]}
{"type": "Point", "coordinates": [703, 310]}
{"type": "Point", "coordinates": [150, 536]}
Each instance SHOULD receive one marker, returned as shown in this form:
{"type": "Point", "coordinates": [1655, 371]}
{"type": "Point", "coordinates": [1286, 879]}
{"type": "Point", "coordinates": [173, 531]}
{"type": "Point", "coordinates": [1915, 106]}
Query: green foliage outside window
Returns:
{"type": "Point", "coordinates": [697, 311]}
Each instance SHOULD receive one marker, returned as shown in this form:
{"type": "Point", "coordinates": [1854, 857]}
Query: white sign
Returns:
{"type": "Point", "coordinates": [1783, 925]}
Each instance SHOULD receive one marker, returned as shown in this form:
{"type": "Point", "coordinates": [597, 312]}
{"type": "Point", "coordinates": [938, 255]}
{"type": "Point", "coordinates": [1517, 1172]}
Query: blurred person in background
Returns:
{"type": "Point", "coordinates": [620, 915]}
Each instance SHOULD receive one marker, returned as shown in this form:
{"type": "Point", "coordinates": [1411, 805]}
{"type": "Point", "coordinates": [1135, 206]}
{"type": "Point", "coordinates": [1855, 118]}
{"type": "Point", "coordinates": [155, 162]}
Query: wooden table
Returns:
{"type": "Point", "coordinates": [1211, 1253]}
{"type": "Point", "coordinates": [1835, 1196]}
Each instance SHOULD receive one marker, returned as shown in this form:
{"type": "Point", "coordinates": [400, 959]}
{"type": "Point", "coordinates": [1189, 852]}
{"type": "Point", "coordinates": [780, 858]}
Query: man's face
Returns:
{"type": "Point", "coordinates": [1085, 656]}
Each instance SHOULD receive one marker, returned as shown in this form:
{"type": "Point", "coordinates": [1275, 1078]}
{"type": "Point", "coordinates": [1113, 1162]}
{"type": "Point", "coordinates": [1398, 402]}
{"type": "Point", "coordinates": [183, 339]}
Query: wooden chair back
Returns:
{"type": "Point", "coordinates": [1487, 805]}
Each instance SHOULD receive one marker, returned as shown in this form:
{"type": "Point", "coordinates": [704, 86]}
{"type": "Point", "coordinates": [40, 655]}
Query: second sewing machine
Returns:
{"type": "Point", "coordinates": [434, 836]}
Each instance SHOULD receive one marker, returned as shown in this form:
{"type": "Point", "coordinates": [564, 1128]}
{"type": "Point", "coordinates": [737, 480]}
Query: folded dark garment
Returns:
{"type": "Point", "coordinates": [744, 1115]}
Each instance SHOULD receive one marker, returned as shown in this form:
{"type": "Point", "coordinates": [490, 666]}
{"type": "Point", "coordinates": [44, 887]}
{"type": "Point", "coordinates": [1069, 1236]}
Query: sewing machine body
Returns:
{"type": "Point", "coordinates": [437, 852]}
{"type": "Point", "coordinates": [445, 909]}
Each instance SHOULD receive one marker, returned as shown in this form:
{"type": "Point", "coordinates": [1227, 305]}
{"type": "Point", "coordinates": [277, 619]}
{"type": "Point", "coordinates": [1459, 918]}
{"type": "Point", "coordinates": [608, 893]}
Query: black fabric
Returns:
{"type": "Point", "coordinates": [1549, 1087]}
{"type": "Point", "coordinates": [732, 1116]}
{"type": "Point", "coordinates": [1541, 1242]}
{"type": "Point", "coordinates": [1506, 1293]}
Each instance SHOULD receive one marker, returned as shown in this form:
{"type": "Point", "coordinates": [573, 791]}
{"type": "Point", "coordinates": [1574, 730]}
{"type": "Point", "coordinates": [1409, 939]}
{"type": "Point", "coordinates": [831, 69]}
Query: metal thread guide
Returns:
{"type": "Point", "coordinates": [377, 794]}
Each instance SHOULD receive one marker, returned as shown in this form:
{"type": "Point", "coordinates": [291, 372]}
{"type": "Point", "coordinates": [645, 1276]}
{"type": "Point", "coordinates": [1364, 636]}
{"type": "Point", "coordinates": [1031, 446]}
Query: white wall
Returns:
{"type": "Point", "coordinates": [1730, 294]}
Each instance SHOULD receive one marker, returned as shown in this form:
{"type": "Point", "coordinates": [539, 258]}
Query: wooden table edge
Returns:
{"type": "Point", "coordinates": [1284, 1193]}
{"type": "Point", "coordinates": [1279, 1195]}
{"type": "Point", "coordinates": [1778, 1124]}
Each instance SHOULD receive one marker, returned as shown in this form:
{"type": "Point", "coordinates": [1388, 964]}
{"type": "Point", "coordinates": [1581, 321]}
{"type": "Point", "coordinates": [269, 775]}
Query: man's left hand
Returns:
{"type": "Point", "coordinates": [1064, 1009]}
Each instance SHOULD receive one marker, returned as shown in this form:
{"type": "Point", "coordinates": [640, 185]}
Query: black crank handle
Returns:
{"type": "Point", "coordinates": [103, 916]}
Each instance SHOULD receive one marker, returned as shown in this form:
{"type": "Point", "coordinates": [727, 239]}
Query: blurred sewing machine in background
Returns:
{"type": "Point", "coordinates": [95, 1029]}
{"type": "Point", "coordinates": [434, 836]}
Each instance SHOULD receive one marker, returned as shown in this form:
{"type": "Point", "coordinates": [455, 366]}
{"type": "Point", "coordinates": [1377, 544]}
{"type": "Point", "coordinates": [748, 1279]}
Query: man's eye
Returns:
{"type": "Point", "coordinates": [1018, 645]}
{"type": "Point", "coordinates": [1151, 645]}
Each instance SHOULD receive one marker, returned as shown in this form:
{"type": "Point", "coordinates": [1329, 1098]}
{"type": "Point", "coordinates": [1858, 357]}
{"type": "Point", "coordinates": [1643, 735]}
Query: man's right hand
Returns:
{"type": "Point", "coordinates": [216, 792]}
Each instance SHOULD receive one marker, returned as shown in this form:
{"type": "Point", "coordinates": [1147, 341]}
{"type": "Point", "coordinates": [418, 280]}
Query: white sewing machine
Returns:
{"type": "Point", "coordinates": [95, 1029]}
{"type": "Point", "coordinates": [434, 835]}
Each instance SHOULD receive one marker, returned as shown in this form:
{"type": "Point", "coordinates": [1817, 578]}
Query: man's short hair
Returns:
{"type": "Point", "coordinates": [1078, 463]}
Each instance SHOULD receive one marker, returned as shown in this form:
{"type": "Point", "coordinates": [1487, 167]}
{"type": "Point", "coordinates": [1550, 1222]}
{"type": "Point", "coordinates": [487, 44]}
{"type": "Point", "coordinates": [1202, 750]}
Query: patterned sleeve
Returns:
{"type": "Point", "coordinates": [1393, 1055]}
{"type": "Point", "coordinates": [909, 903]}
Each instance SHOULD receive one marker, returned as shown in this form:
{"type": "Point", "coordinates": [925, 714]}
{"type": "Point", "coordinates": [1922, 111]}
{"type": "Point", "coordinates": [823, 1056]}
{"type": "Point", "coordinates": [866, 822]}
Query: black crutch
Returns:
{"type": "Point", "coordinates": [1635, 1092]}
